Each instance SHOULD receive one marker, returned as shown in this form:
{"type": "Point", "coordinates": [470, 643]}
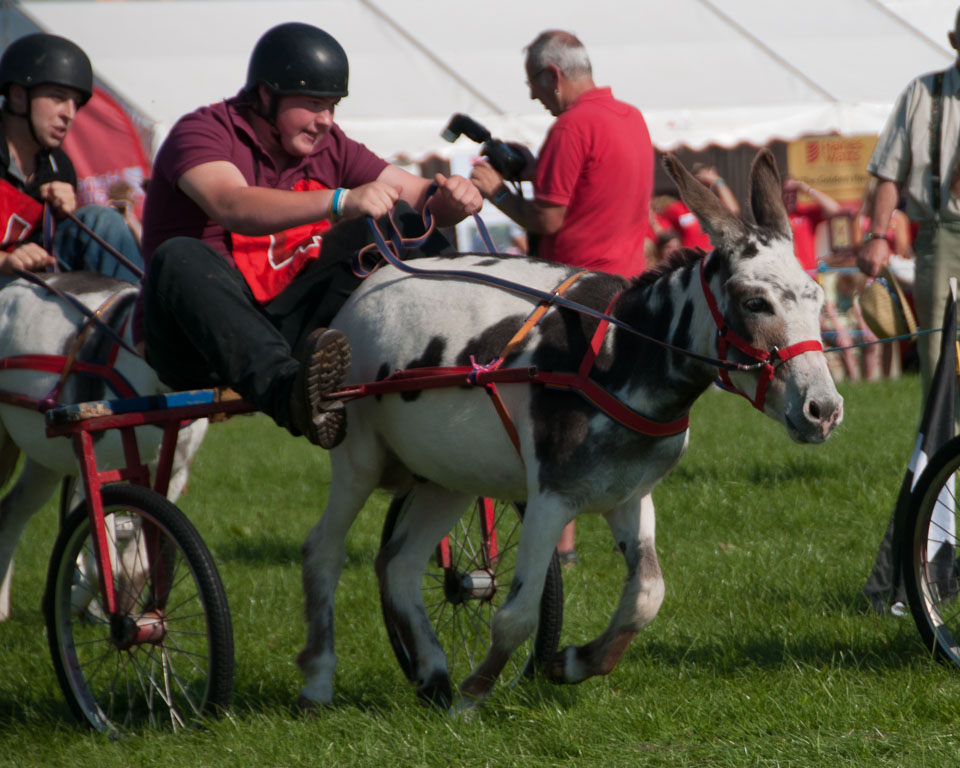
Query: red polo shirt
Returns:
{"type": "Point", "coordinates": [597, 160]}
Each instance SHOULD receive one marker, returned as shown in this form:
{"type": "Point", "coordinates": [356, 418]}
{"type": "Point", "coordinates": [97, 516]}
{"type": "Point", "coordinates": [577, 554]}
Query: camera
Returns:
{"type": "Point", "coordinates": [506, 160]}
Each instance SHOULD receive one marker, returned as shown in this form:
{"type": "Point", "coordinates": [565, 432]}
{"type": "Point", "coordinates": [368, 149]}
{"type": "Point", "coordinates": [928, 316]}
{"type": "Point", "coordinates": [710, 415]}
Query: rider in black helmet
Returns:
{"type": "Point", "coordinates": [297, 59]}
{"type": "Point", "coordinates": [44, 80]}
{"type": "Point", "coordinates": [241, 197]}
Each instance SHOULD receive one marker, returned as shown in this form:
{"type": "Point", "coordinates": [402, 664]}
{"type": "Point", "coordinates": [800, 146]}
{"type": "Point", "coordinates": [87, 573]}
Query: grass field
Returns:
{"type": "Point", "coordinates": [764, 652]}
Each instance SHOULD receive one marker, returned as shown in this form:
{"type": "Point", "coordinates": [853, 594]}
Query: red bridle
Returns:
{"type": "Point", "coordinates": [768, 360]}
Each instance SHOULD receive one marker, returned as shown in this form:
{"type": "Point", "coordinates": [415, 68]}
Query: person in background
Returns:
{"type": "Point", "coordinates": [917, 154]}
{"type": "Point", "coordinates": [671, 214]}
{"type": "Point", "coordinates": [710, 178]}
{"type": "Point", "coordinates": [805, 217]}
{"type": "Point", "coordinates": [121, 198]}
{"type": "Point", "coordinates": [592, 178]}
{"type": "Point", "coordinates": [902, 260]}
{"type": "Point", "coordinates": [45, 80]}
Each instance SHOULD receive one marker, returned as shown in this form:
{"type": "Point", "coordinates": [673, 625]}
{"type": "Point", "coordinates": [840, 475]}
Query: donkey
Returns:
{"type": "Point", "coordinates": [443, 447]}
{"type": "Point", "coordinates": [35, 322]}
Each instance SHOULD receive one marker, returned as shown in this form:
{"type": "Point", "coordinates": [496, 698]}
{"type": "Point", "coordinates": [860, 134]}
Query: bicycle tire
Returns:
{"type": "Point", "coordinates": [111, 681]}
{"type": "Point", "coordinates": [463, 625]}
{"type": "Point", "coordinates": [928, 554]}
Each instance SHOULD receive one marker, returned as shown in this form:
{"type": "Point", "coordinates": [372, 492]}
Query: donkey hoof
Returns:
{"type": "Point", "coordinates": [309, 707]}
{"type": "Point", "coordinates": [561, 668]}
{"type": "Point", "coordinates": [437, 691]}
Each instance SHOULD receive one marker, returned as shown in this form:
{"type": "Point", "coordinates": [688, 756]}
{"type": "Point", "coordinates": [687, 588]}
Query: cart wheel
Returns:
{"type": "Point", "coordinates": [929, 554]}
{"type": "Point", "coordinates": [165, 657]}
{"type": "Point", "coordinates": [462, 598]}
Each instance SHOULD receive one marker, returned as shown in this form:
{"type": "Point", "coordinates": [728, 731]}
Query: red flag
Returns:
{"type": "Point", "coordinates": [105, 148]}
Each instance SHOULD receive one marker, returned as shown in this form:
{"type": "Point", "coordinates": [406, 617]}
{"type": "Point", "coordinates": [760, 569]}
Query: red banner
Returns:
{"type": "Point", "coordinates": [106, 151]}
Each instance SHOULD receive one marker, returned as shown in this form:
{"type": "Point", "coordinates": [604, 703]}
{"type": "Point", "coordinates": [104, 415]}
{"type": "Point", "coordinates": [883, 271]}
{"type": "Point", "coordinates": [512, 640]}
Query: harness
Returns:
{"type": "Point", "coordinates": [768, 360]}
{"type": "Point", "coordinates": [69, 364]}
{"type": "Point", "coordinates": [580, 382]}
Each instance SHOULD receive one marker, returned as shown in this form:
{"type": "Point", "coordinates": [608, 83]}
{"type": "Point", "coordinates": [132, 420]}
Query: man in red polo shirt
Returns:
{"type": "Point", "coordinates": [592, 180]}
{"type": "Point", "coordinates": [593, 177]}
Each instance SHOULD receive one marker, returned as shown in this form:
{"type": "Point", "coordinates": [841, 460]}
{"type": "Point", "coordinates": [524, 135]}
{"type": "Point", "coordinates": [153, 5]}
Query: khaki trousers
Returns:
{"type": "Point", "coordinates": [938, 259]}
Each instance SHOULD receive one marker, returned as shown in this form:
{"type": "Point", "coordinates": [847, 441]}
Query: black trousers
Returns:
{"type": "Point", "coordinates": [204, 328]}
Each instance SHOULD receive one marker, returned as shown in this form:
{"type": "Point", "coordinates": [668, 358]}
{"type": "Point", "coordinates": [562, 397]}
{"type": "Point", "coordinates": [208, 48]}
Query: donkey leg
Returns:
{"type": "Point", "coordinates": [633, 524]}
{"type": "Point", "coordinates": [9, 453]}
{"type": "Point", "coordinates": [516, 619]}
{"type": "Point", "coordinates": [324, 553]}
{"type": "Point", "coordinates": [31, 491]}
{"type": "Point", "coordinates": [428, 514]}
{"type": "Point", "coordinates": [188, 443]}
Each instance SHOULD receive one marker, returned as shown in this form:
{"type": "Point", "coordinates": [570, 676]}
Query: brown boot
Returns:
{"type": "Point", "coordinates": [323, 367]}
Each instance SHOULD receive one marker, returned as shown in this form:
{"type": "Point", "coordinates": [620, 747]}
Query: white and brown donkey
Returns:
{"type": "Point", "coordinates": [444, 447]}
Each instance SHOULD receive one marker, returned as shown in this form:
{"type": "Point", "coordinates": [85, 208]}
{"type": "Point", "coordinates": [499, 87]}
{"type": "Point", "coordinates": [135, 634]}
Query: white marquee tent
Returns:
{"type": "Point", "coordinates": [703, 72]}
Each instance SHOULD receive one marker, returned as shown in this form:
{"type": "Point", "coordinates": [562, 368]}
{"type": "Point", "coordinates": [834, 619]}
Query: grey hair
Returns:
{"type": "Point", "coordinates": [562, 50]}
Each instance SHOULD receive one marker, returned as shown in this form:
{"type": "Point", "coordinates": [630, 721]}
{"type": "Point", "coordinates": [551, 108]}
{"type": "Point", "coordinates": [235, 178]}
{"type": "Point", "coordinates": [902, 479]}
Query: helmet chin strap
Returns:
{"type": "Point", "coordinates": [26, 115]}
{"type": "Point", "coordinates": [268, 114]}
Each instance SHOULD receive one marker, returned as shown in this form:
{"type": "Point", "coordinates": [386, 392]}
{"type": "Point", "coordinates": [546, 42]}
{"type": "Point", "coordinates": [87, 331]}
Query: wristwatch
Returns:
{"type": "Point", "coordinates": [873, 236]}
{"type": "Point", "coordinates": [500, 196]}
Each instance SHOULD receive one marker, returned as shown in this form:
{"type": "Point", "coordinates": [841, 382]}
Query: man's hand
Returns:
{"type": "Point", "coordinates": [457, 196]}
{"type": "Point", "coordinates": [707, 176]}
{"type": "Point", "coordinates": [486, 179]}
{"type": "Point", "coordinates": [873, 255]}
{"type": "Point", "coordinates": [29, 256]}
{"type": "Point", "coordinates": [60, 195]}
{"type": "Point", "coordinates": [374, 199]}
{"type": "Point", "coordinates": [529, 171]}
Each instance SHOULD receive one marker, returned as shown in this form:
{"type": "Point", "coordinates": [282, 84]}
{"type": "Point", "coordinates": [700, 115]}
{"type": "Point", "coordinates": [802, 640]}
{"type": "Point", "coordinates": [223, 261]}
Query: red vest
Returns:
{"type": "Point", "coordinates": [270, 262]}
{"type": "Point", "coordinates": [20, 215]}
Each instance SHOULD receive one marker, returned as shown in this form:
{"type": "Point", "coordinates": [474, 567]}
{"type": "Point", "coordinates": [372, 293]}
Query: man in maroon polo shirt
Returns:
{"type": "Point", "coordinates": [239, 287]}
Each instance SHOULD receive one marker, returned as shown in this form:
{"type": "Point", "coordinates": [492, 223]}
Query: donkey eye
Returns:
{"type": "Point", "coordinates": [758, 306]}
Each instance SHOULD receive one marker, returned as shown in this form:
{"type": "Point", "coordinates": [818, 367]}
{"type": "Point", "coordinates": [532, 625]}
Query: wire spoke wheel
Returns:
{"type": "Point", "coordinates": [461, 598]}
{"type": "Point", "coordinates": [164, 657]}
{"type": "Point", "coordinates": [929, 554]}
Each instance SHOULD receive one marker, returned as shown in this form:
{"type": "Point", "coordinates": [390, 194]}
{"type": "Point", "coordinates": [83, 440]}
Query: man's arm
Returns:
{"type": "Point", "coordinates": [711, 179]}
{"type": "Point", "coordinates": [828, 205]}
{"type": "Point", "coordinates": [455, 198]}
{"type": "Point", "coordinates": [875, 250]}
{"type": "Point", "coordinates": [534, 216]}
{"type": "Point", "coordinates": [220, 190]}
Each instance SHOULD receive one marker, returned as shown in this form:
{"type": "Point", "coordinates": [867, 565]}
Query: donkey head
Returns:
{"type": "Point", "coordinates": [767, 300]}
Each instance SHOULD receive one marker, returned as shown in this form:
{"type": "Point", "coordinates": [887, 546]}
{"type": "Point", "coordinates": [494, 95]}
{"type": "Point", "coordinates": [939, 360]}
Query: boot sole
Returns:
{"type": "Point", "coordinates": [328, 366]}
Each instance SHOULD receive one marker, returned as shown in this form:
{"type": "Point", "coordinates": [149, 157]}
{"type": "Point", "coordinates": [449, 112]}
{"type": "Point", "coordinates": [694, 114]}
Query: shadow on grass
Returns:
{"type": "Point", "coordinates": [766, 475]}
{"type": "Point", "coordinates": [383, 694]}
{"type": "Point", "coordinates": [265, 549]}
{"type": "Point", "coordinates": [770, 649]}
{"type": "Point", "coordinates": [42, 710]}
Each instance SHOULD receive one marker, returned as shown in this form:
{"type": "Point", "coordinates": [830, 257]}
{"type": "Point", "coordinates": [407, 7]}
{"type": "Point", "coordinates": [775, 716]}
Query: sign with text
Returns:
{"type": "Point", "coordinates": [836, 165]}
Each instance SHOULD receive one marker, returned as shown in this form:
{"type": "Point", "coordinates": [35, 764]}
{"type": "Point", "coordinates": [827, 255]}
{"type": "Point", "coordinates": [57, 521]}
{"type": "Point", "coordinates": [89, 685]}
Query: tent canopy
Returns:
{"type": "Point", "coordinates": [703, 72]}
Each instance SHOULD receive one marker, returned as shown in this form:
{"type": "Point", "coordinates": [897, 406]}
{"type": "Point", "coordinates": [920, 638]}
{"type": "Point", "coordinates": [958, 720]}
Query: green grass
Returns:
{"type": "Point", "coordinates": [764, 652]}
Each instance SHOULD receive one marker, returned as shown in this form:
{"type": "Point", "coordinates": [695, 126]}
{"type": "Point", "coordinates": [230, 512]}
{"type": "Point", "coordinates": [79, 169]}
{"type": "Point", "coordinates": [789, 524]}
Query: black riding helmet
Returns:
{"type": "Point", "coordinates": [299, 59]}
{"type": "Point", "coordinates": [41, 58]}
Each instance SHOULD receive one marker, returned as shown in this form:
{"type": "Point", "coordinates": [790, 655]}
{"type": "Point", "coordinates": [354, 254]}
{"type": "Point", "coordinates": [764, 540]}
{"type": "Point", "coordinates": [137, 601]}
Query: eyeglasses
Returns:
{"type": "Point", "coordinates": [536, 75]}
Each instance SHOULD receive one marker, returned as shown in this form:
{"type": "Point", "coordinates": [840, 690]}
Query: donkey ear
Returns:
{"type": "Point", "coordinates": [724, 227]}
{"type": "Point", "coordinates": [766, 194]}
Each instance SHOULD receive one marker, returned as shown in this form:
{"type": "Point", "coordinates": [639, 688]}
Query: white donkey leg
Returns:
{"type": "Point", "coordinates": [427, 515]}
{"type": "Point", "coordinates": [188, 442]}
{"type": "Point", "coordinates": [633, 525]}
{"type": "Point", "coordinates": [31, 491]}
{"type": "Point", "coordinates": [354, 479]}
{"type": "Point", "coordinates": [516, 619]}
